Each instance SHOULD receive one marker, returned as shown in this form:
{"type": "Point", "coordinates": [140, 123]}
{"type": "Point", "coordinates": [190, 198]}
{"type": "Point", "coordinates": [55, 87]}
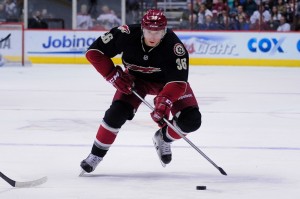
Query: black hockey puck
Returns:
{"type": "Point", "coordinates": [201, 187]}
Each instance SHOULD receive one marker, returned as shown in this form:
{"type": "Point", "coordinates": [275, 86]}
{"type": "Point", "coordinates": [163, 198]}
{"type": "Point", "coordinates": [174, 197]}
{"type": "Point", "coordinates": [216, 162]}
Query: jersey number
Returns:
{"type": "Point", "coordinates": [181, 64]}
{"type": "Point", "coordinates": [106, 38]}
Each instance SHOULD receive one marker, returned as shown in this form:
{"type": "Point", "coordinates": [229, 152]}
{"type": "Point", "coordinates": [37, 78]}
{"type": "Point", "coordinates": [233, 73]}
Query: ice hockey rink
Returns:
{"type": "Point", "coordinates": [49, 116]}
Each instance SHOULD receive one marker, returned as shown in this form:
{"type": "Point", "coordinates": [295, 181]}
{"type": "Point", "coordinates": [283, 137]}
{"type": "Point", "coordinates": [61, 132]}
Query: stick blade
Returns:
{"type": "Point", "coordinates": [32, 183]}
{"type": "Point", "coordinates": [222, 171]}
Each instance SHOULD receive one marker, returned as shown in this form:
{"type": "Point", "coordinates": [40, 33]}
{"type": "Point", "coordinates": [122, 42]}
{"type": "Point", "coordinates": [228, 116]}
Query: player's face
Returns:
{"type": "Point", "coordinates": [152, 38]}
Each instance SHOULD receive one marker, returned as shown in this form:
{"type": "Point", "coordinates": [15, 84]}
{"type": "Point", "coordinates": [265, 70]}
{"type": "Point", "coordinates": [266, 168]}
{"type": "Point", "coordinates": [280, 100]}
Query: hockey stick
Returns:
{"type": "Point", "coordinates": [26, 184]}
{"type": "Point", "coordinates": [5, 38]}
{"type": "Point", "coordinates": [180, 133]}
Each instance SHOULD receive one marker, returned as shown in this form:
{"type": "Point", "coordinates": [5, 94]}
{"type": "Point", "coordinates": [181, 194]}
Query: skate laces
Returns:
{"type": "Point", "coordinates": [165, 147]}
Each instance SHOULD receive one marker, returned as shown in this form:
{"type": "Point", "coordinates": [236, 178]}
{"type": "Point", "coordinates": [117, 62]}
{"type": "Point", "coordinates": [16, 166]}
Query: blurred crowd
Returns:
{"type": "Point", "coordinates": [265, 15]}
{"type": "Point", "coordinates": [11, 10]}
{"type": "Point", "coordinates": [106, 19]}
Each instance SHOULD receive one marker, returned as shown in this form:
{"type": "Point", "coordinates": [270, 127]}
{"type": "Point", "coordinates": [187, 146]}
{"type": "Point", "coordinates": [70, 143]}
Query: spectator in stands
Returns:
{"type": "Point", "coordinates": [132, 11]}
{"type": "Point", "coordinates": [284, 26]}
{"type": "Point", "coordinates": [45, 14]}
{"type": "Point", "coordinates": [241, 12]}
{"type": "Point", "coordinates": [250, 7]}
{"type": "Point", "coordinates": [203, 12]}
{"type": "Point", "coordinates": [220, 6]}
{"type": "Point", "coordinates": [11, 10]}
{"type": "Point", "coordinates": [297, 24]}
{"type": "Point", "coordinates": [36, 21]}
{"type": "Point", "coordinates": [193, 21]}
{"type": "Point", "coordinates": [208, 24]}
{"type": "Point", "coordinates": [243, 2]}
{"type": "Point", "coordinates": [234, 9]}
{"type": "Point", "coordinates": [93, 11]}
{"type": "Point", "coordinates": [298, 8]}
{"type": "Point", "coordinates": [281, 7]}
{"type": "Point", "coordinates": [108, 18]}
{"type": "Point", "coordinates": [191, 24]}
{"type": "Point", "coordinates": [215, 19]}
{"type": "Point", "coordinates": [223, 20]}
{"type": "Point", "coordinates": [208, 3]}
{"type": "Point", "coordinates": [233, 21]}
{"type": "Point", "coordinates": [230, 4]}
{"type": "Point", "coordinates": [3, 14]}
{"type": "Point", "coordinates": [289, 15]}
{"type": "Point", "coordinates": [275, 18]}
{"type": "Point", "coordinates": [189, 17]}
{"type": "Point", "coordinates": [196, 5]}
{"type": "Point", "coordinates": [242, 18]}
{"type": "Point", "coordinates": [20, 9]}
{"type": "Point", "coordinates": [260, 25]}
{"type": "Point", "coordinates": [243, 24]}
{"type": "Point", "coordinates": [84, 19]}
{"type": "Point", "coordinates": [266, 16]}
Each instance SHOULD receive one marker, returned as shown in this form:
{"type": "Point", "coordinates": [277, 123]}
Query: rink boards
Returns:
{"type": "Point", "coordinates": [205, 48]}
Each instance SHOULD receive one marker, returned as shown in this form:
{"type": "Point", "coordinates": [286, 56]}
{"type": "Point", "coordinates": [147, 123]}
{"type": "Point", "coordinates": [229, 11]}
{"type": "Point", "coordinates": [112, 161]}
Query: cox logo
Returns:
{"type": "Point", "coordinates": [266, 45]}
{"type": "Point", "coordinates": [298, 45]}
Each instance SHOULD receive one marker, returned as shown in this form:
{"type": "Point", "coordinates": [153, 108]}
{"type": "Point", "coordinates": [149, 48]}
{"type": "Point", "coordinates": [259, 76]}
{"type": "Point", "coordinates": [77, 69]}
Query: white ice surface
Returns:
{"type": "Point", "coordinates": [49, 116]}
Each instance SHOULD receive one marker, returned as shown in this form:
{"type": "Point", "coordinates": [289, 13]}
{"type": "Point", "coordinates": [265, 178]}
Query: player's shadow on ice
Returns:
{"type": "Point", "coordinates": [209, 178]}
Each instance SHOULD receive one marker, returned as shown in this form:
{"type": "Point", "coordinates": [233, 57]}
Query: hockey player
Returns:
{"type": "Point", "coordinates": [156, 63]}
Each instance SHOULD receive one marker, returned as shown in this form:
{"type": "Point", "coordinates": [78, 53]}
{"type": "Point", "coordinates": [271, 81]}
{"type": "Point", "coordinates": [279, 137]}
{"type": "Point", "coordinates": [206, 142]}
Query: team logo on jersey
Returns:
{"type": "Point", "coordinates": [141, 69]}
{"type": "Point", "coordinates": [145, 57]}
{"type": "Point", "coordinates": [124, 29]}
{"type": "Point", "coordinates": [179, 49]}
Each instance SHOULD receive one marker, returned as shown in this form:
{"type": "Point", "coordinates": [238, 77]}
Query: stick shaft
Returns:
{"type": "Point", "coordinates": [180, 133]}
{"type": "Point", "coordinates": [7, 179]}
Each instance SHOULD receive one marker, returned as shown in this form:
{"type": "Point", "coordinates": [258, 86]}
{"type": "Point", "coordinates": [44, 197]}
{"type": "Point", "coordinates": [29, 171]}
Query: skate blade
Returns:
{"type": "Point", "coordinates": [82, 173]}
{"type": "Point", "coordinates": [162, 164]}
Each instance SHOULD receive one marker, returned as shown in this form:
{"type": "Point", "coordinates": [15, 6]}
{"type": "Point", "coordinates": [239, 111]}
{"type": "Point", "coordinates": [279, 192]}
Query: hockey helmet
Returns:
{"type": "Point", "coordinates": [154, 19]}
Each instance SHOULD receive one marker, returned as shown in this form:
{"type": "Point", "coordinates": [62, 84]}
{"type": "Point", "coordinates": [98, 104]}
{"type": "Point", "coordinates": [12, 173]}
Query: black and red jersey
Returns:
{"type": "Point", "coordinates": [167, 62]}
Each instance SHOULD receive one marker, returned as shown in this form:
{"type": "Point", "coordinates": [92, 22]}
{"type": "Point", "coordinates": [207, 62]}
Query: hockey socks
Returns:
{"type": "Point", "coordinates": [105, 137]}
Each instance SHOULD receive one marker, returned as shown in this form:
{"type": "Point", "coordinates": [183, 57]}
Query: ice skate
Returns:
{"type": "Point", "coordinates": [90, 163]}
{"type": "Point", "coordinates": [163, 148]}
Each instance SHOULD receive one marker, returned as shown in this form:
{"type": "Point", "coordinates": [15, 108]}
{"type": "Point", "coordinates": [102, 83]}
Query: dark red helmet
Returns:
{"type": "Point", "coordinates": [154, 20]}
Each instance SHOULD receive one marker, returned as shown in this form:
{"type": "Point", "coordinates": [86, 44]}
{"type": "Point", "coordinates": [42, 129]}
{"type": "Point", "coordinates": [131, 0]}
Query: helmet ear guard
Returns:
{"type": "Point", "coordinates": [155, 20]}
